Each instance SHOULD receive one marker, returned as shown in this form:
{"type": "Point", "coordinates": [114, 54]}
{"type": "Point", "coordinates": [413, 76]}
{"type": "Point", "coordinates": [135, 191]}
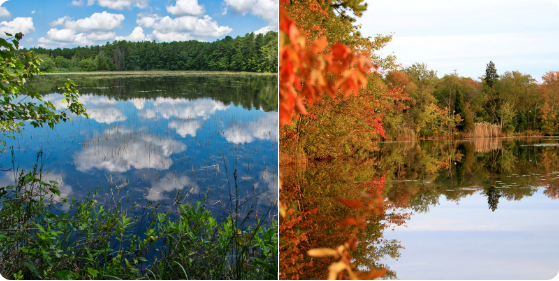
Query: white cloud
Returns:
{"type": "Point", "coordinates": [207, 27]}
{"type": "Point", "coordinates": [32, 12]}
{"type": "Point", "coordinates": [265, 29]}
{"type": "Point", "coordinates": [138, 102]}
{"type": "Point", "coordinates": [65, 37]}
{"type": "Point", "coordinates": [77, 2]}
{"type": "Point", "coordinates": [106, 115]}
{"type": "Point", "coordinates": [134, 155]}
{"type": "Point", "coordinates": [60, 21]}
{"type": "Point", "coordinates": [181, 28]}
{"type": "Point", "coordinates": [185, 128]}
{"type": "Point", "coordinates": [101, 36]}
{"type": "Point", "coordinates": [265, 128]}
{"type": "Point", "coordinates": [5, 13]}
{"type": "Point", "coordinates": [137, 35]}
{"type": "Point", "coordinates": [171, 36]}
{"type": "Point", "coordinates": [97, 27]}
{"type": "Point", "coordinates": [23, 25]}
{"type": "Point", "coordinates": [119, 4]}
{"type": "Point", "coordinates": [97, 22]}
{"type": "Point", "coordinates": [186, 8]}
{"type": "Point", "coordinates": [99, 108]}
{"type": "Point", "coordinates": [168, 108]}
{"type": "Point", "coordinates": [264, 9]}
{"type": "Point", "coordinates": [168, 24]}
{"type": "Point", "coordinates": [147, 20]}
{"type": "Point", "coordinates": [169, 183]}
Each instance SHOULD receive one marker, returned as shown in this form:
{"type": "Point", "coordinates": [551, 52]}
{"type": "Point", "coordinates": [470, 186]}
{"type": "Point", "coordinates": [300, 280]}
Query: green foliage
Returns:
{"type": "Point", "coordinates": [19, 102]}
{"type": "Point", "coordinates": [41, 239]}
{"type": "Point", "coordinates": [491, 75]}
{"type": "Point", "coordinates": [251, 53]}
{"type": "Point", "coordinates": [460, 109]}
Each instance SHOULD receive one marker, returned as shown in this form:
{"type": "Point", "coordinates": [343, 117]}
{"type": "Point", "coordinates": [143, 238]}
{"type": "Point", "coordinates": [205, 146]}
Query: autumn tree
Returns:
{"type": "Point", "coordinates": [549, 92]}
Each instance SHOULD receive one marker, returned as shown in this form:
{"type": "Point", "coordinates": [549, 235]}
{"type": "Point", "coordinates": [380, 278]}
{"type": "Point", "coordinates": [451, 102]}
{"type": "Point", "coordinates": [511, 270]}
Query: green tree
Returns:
{"type": "Point", "coordinates": [47, 63]}
{"type": "Point", "coordinates": [19, 101]}
{"type": "Point", "coordinates": [62, 62]}
{"type": "Point", "coordinates": [460, 109]}
{"type": "Point", "coordinates": [490, 74]}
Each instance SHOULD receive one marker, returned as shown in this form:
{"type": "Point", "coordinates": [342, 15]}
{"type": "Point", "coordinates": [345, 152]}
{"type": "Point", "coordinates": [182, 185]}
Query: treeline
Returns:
{"type": "Point", "coordinates": [251, 53]}
{"type": "Point", "coordinates": [413, 102]}
{"type": "Point", "coordinates": [510, 103]}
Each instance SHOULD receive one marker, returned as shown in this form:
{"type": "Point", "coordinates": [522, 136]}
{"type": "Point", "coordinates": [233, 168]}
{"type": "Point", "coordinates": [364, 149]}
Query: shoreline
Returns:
{"type": "Point", "coordinates": [157, 72]}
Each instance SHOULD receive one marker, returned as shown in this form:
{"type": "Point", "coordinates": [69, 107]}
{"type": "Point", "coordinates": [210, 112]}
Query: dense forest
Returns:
{"type": "Point", "coordinates": [250, 53]}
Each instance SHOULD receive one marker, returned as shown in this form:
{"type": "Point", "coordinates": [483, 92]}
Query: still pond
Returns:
{"type": "Point", "coordinates": [153, 136]}
{"type": "Point", "coordinates": [470, 209]}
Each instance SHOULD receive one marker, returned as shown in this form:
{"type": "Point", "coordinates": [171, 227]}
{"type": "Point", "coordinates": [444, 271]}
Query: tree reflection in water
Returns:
{"type": "Point", "coordinates": [414, 177]}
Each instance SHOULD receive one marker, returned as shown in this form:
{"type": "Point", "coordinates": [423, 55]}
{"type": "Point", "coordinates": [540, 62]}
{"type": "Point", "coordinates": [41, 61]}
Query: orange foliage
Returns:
{"type": "Point", "coordinates": [397, 79]}
{"type": "Point", "coordinates": [309, 72]}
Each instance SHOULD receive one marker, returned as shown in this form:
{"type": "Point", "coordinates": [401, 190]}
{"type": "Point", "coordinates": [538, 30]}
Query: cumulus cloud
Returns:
{"type": "Point", "coordinates": [133, 154]}
{"type": "Point", "coordinates": [5, 13]}
{"type": "Point", "coordinates": [119, 4]}
{"type": "Point", "coordinates": [186, 8]}
{"type": "Point", "coordinates": [171, 36]}
{"type": "Point", "coordinates": [106, 115]}
{"type": "Point", "coordinates": [265, 128]}
{"type": "Point", "coordinates": [265, 29]}
{"type": "Point", "coordinates": [23, 25]}
{"type": "Point", "coordinates": [65, 37]}
{"type": "Point", "coordinates": [171, 182]}
{"type": "Point", "coordinates": [97, 22]}
{"type": "Point", "coordinates": [181, 28]}
{"type": "Point", "coordinates": [138, 102]}
{"type": "Point", "coordinates": [167, 108]}
{"type": "Point", "coordinates": [137, 35]}
{"type": "Point", "coordinates": [86, 31]}
{"type": "Point", "coordinates": [264, 9]}
{"type": "Point", "coordinates": [101, 36]}
{"type": "Point", "coordinates": [77, 2]}
{"type": "Point", "coordinates": [185, 128]}
{"type": "Point", "coordinates": [101, 109]}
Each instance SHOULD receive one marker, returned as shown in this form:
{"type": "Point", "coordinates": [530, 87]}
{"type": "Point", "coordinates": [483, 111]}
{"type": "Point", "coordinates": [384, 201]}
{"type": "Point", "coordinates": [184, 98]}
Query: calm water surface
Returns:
{"type": "Point", "coordinates": [154, 136]}
{"type": "Point", "coordinates": [477, 209]}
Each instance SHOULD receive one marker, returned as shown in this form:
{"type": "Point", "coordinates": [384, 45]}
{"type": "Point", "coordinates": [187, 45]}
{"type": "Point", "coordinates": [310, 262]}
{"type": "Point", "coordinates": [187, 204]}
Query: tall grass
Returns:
{"type": "Point", "coordinates": [485, 130]}
{"type": "Point", "coordinates": [39, 239]}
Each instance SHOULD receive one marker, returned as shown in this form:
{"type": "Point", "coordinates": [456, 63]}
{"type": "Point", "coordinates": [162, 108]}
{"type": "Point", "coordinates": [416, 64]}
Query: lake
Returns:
{"type": "Point", "coordinates": [161, 137]}
{"type": "Point", "coordinates": [471, 209]}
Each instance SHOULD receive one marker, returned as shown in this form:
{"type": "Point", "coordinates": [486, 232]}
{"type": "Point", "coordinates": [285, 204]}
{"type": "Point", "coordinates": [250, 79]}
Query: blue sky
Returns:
{"type": "Point", "coordinates": [69, 23]}
{"type": "Point", "coordinates": [465, 35]}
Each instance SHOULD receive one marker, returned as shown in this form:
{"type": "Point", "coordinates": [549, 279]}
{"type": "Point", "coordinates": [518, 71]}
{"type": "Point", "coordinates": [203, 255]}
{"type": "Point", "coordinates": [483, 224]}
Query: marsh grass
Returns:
{"type": "Point", "coordinates": [43, 236]}
{"type": "Point", "coordinates": [485, 130]}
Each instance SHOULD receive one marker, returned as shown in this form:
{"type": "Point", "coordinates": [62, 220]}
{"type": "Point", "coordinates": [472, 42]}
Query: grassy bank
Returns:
{"type": "Point", "coordinates": [43, 236]}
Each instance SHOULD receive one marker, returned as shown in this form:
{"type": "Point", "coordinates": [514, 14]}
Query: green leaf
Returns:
{"type": "Point", "coordinates": [65, 275]}
{"type": "Point", "coordinates": [32, 268]}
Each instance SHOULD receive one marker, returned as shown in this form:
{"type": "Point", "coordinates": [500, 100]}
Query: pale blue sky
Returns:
{"type": "Point", "coordinates": [464, 35]}
{"type": "Point", "coordinates": [467, 241]}
{"type": "Point", "coordinates": [68, 23]}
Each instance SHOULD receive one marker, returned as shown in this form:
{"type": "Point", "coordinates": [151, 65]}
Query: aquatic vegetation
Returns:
{"type": "Point", "coordinates": [99, 238]}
